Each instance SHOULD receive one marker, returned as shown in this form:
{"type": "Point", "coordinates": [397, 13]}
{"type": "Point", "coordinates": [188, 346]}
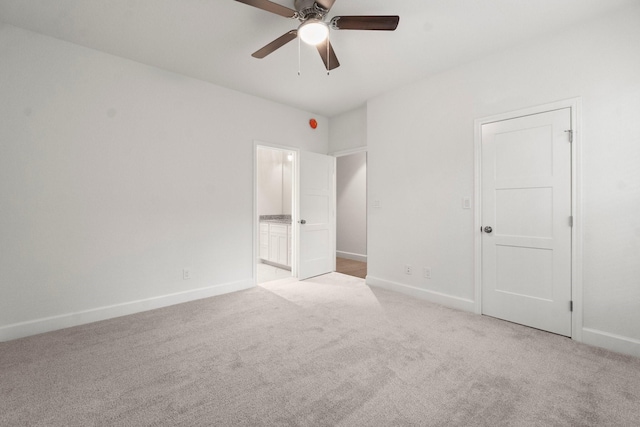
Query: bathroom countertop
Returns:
{"type": "Point", "coordinates": [276, 219]}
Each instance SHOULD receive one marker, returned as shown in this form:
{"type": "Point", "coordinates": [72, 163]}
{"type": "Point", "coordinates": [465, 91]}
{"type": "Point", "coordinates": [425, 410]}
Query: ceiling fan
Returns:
{"type": "Point", "coordinates": [313, 28]}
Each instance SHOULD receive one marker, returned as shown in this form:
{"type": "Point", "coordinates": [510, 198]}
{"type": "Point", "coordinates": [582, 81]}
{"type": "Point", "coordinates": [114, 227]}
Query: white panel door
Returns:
{"type": "Point", "coordinates": [316, 251]}
{"type": "Point", "coordinates": [526, 202]}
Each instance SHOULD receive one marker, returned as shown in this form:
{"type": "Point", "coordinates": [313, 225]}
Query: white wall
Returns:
{"type": "Point", "coordinates": [287, 184]}
{"type": "Point", "coordinates": [270, 182]}
{"type": "Point", "coordinates": [275, 174]}
{"type": "Point", "coordinates": [114, 176]}
{"type": "Point", "coordinates": [351, 212]}
{"type": "Point", "coordinates": [421, 142]}
{"type": "Point", "coordinates": [348, 130]}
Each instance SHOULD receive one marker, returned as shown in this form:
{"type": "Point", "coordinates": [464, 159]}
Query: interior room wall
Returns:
{"type": "Point", "coordinates": [269, 182]}
{"type": "Point", "coordinates": [351, 212]}
{"type": "Point", "coordinates": [274, 182]}
{"type": "Point", "coordinates": [421, 165]}
{"type": "Point", "coordinates": [348, 130]}
{"type": "Point", "coordinates": [287, 184]}
{"type": "Point", "coordinates": [116, 176]}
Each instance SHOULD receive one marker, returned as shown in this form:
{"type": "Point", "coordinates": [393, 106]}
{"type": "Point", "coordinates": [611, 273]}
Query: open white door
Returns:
{"type": "Point", "coordinates": [316, 219]}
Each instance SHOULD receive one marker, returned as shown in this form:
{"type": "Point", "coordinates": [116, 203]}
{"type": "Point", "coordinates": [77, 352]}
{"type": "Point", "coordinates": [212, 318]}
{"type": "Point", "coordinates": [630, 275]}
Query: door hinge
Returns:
{"type": "Point", "coordinates": [570, 132]}
{"type": "Point", "coordinates": [571, 221]}
{"type": "Point", "coordinates": [570, 305]}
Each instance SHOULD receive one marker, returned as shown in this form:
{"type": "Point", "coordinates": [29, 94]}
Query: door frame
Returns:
{"type": "Point", "coordinates": [348, 152]}
{"type": "Point", "coordinates": [295, 205]}
{"type": "Point", "coordinates": [575, 106]}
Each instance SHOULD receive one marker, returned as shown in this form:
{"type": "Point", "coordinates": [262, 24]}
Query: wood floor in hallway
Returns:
{"type": "Point", "coordinates": [351, 267]}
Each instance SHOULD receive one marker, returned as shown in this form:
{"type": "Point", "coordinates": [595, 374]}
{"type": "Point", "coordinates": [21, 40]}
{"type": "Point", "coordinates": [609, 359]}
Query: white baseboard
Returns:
{"type": "Point", "coordinates": [431, 296]}
{"type": "Point", "coordinates": [352, 256]}
{"type": "Point", "coordinates": [47, 324]}
{"type": "Point", "coordinates": [613, 342]}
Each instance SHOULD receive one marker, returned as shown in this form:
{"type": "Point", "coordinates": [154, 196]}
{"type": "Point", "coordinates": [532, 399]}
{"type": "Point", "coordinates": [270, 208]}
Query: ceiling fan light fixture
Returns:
{"type": "Point", "coordinates": [313, 31]}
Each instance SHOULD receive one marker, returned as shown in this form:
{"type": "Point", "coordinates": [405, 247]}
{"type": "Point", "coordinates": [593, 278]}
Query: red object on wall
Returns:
{"type": "Point", "coordinates": [313, 123]}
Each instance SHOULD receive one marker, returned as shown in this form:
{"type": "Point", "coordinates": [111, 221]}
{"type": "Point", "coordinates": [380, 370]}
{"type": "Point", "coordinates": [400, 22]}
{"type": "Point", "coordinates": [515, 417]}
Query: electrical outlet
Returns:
{"type": "Point", "coordinates": [427, 272]}
{"type": "Point", "coordinates": [186, 274]}
{"type": "Point", "coordinates": [466, 203]}
{"type": "Point", "coordinates": [408, 270]}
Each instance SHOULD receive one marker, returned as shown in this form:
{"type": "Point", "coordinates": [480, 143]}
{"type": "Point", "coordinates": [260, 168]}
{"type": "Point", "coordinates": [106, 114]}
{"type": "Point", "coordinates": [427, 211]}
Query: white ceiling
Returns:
{"type": "Point", "coordinates": [212, 40]}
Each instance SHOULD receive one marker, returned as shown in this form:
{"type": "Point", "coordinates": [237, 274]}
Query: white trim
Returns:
{"type": "Point", "coordinates": [477, 215]}
{"type": "Point", "coordinates": [431, 296]}
{"type": "Point", "coordinates": [334, 219]}
{"type": "Point", "coordinates": [576, 209]}
{"type": "Point", "coordinates": [352, 256]}
{"type": "Point", "coordinates": [575, 104]}
{"type": "Point", "coordinates": [349, 151]}
{"type": "Point", "coordinates": [47, 324]}
{"type": "Point", "coordinates": [612, 342]}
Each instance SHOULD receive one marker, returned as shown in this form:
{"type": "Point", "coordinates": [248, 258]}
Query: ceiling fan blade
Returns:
{"type": "Point", "coordinates": [325, 4]}
{"type": "Point", "coordinates": [329, 58]}
{"type": "Point", "coordinates": [272, 7]}
{"type": "Point", "coordinates": [382, 23]}
{"type": "Point", "coordinates": [276, 44]}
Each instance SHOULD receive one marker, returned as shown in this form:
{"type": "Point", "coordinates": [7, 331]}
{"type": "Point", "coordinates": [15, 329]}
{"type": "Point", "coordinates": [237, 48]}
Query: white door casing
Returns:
{"type": "Point", "coordinates": [316, 247]}
{"type": "Point", "coordinates": [527, 201]}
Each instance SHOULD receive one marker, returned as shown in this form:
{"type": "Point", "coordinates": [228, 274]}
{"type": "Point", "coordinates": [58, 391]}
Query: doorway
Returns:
{"type": "Point", "coordinates": [526, 212]}
{"type": "Point", "coordinates": [351, 213]}
{"type": "Point", "coordinates": [294, 213]}
{"type": "Point", "coordinates": [275, 183]}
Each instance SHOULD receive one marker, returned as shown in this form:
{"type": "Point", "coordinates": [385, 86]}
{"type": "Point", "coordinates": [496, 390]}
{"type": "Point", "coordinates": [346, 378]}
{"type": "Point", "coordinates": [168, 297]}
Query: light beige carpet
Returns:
{"type": "Point", "coordinates": [327, 351]}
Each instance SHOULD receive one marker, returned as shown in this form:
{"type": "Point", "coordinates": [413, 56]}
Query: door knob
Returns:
{"type": "Point", "coordinates": [488, 229]}
{"type": "Point", "coordinates": [302, 221]}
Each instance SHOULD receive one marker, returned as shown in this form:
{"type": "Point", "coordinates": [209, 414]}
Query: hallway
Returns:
{"type": "Point", "coordinates": [351, 267]}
